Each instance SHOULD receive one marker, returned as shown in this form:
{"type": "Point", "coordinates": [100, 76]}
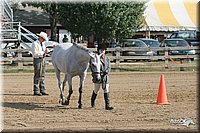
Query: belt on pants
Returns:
{"type": "Point", "coordinates": [38, 57]}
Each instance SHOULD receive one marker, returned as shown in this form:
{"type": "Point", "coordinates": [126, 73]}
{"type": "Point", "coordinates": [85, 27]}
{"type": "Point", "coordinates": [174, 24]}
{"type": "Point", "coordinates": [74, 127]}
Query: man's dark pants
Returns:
{"type": "Point", "coordinates": [39, 75]}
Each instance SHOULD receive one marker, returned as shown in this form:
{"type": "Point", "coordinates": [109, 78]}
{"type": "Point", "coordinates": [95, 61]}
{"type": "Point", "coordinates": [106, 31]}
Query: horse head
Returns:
{"type": "Point", "coordinates": [95, 65]}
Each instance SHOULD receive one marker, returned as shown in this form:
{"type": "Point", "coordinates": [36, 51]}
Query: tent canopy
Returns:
{"type": "Point", "coordinates": [171, 15]}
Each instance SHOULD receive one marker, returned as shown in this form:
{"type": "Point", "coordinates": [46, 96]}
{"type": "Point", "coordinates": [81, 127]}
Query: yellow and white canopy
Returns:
{"type": "Point", "coordinates": [171, 15]}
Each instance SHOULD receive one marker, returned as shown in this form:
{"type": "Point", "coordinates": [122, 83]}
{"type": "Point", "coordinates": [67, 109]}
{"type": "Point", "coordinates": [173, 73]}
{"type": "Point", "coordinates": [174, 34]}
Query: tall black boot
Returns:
{"type": "Point", "coordinates": [107, 101]}
{"type": "Point", "coordinates": [93, 99]}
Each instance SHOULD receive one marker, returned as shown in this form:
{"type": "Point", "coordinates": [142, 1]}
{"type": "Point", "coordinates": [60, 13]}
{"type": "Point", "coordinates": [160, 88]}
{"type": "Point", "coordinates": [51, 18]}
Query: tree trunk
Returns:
{"type": "Point", "coordinates": [53, 21]}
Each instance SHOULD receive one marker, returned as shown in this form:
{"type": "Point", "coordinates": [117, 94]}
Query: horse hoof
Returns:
{"type": "Point", "coordinates": [80, 106]}
{"type": "Point", "coordinates": [63, 103]}
{"type": "Point", "coordinates": [66, 102]}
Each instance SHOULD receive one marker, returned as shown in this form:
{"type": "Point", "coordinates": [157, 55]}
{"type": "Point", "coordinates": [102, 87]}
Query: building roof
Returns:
{"type": "Point", "coordinates": [31, 16]}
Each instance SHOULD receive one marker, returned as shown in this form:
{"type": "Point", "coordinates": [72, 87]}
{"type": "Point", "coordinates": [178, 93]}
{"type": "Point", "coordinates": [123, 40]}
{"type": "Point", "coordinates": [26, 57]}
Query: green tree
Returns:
{"type": "Point", "coordinates": [105, 20]}
{"type": "Point", "coordinates": [51, 8]}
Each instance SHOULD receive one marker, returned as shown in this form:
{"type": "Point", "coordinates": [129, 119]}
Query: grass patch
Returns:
{"type": "Point", "coordinates": [16, 71]}
{"type": "Point", "coordinates": [152, 69]}
{"type": "Point", "coordinates": [136, 69]}
{"type": "Point", "coordinates": [112, 70]}
{"type": "Point", "coordinates": [25, 71]}
{"type": "Point", "coordinates": [50, 70]}
{"type": "Point", "coordinates": [122, 69]}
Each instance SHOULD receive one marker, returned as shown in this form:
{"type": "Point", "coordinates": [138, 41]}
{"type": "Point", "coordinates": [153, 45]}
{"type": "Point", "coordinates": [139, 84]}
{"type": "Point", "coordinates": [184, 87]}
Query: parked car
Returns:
{"type": "Point", "coordinates": [28, 37]}
{"type": "Point", "coordinates": [137, 44]}
{"type": "Point", "coordinates": [14, 54]}
{"type": "Point", "coordinates": [190, 36]}
{"type": "Point", "coordinates": [151, 43]}
{"type": "Point", "coordinates": [26, 53]}
{"type": "Point", "coordinates": [184, 34]}
{"type": "Point", "coordinates": [7, 46]}
{"type": "Point", "coordinates": [49, 45]}
{"type": "Point", "coordinates": [176, 43]}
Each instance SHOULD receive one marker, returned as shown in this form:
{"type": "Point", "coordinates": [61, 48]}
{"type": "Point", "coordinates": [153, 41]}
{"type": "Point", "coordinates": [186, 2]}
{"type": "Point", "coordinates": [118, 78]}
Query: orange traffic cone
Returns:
{"type": "Point", "coordinates": [162, 96]}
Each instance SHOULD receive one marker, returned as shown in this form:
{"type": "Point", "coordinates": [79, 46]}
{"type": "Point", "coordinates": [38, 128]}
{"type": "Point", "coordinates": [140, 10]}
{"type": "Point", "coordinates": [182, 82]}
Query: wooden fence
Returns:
{"type": "Point", "coordinates": [117, 59]}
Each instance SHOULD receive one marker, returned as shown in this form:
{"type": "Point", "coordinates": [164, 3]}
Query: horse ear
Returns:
{"type": "Point", "coordinates": [92, 54]}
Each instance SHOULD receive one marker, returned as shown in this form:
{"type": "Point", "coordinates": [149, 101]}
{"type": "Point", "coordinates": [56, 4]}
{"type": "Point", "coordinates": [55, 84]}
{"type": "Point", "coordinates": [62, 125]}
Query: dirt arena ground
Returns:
{"type": "Point", "coordinates": [133, 94]}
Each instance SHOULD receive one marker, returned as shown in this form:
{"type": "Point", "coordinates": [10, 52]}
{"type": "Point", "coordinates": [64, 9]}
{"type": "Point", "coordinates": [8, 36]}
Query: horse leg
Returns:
{"type": "Point", "coordinates": [61, 99]}
{"type": "Point", "coordinates": [69, 79]}
{"type": "Point", "coordinates": [62, 87]}
{"type": "Point", "coordinates": [64, 82]}
{"type": "Point", "coordinates": [82, 77]}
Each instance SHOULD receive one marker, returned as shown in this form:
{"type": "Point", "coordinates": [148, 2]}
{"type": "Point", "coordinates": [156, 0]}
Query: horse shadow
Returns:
{"type": "Point", "coordinates": [37, 106]}
{"type": "Point", "coordinates": [31, 106]}
{"type": "Point", "coordinates": [34, 106]}
{"type": "Point", "coordinates": [17, 94]}
{"type": "Point", "coordinates": [21, 105]}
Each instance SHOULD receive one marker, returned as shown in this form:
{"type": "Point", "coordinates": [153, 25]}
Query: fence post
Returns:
{"type": "Point", "coordinates": [117, 63]}
{"type": "Point", "coordinates": [19, 31]}
{"type": "Point", "coordinates": [166, 59]}
{"type": "Point", "coordinates": [19, 58]}
{"type": "Point", "coordinates": [181, 68]}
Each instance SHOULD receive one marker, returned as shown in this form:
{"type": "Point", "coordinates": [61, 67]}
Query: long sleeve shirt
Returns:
{"type": "Point", "coordinates": [105, 67]}
{"type": "Point", "coordinates": [38, 49]}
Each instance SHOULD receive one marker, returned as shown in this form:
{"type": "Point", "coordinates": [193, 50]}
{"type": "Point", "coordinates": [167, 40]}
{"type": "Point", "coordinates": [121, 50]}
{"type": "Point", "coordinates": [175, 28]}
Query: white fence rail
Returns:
{"type": "Point", "coordinates": [7, 11]}
{"type": "Point", "coordinates": [14, 31]}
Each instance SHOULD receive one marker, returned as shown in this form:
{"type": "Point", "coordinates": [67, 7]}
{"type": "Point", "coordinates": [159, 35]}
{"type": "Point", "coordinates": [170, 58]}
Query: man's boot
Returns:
{"type": "Point", "coordinates": [107, 101]}
{"type": "Point", "coordinates": [36, 90]}
{"type": "Point", "coordinates": [93, 99]}
{"type": "Point", "coordinates": [42, 88]}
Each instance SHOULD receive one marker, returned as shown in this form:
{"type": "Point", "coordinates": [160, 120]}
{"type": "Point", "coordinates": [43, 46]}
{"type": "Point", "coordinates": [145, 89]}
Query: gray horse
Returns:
{"type": "Point", "coordinates": [74, 60]}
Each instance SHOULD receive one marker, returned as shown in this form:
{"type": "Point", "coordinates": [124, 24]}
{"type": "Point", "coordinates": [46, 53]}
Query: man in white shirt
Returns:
{"type": "Point", "coordinates": [38, 51]}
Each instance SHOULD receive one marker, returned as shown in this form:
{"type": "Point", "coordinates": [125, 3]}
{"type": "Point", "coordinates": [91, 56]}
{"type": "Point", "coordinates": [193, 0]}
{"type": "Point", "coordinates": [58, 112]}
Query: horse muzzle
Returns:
{"type": "Point", "coordinates": [96, 78]}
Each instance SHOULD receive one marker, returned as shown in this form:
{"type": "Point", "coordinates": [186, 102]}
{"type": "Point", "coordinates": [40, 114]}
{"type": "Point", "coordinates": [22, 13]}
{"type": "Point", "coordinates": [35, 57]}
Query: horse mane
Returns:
{"type": "Point", "coordinates": [81, 47]}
